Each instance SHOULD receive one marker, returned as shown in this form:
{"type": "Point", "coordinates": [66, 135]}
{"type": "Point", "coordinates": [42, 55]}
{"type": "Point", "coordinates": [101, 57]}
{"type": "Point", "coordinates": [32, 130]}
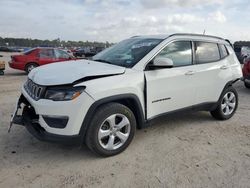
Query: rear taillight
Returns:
{"type": "Point", "coordinates": [13, 58]}
{"type": "Point", "coordinates": [246, 69]}
{"type": "Point", "coordinates": [248, 66]}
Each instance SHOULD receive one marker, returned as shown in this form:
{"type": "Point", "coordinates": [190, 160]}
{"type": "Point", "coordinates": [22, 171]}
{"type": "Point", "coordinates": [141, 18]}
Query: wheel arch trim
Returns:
{"type": "Point", "coordinates": [138, 111]}
{"type": "Point", "coordinates": [31, 62]}
{"type": "Point", "coordinates": [228, 84]}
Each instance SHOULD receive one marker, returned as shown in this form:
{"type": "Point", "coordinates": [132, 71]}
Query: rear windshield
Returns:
{"type": "Point", "coordinates": [28, 51]}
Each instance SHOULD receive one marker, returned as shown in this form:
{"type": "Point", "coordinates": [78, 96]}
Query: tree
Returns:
{"type": "Point", "coordinates": [22, 42]}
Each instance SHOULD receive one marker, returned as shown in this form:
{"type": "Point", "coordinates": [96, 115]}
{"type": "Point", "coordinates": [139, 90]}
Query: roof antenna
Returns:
{"type": "Point", "coordinates": [204, 32]}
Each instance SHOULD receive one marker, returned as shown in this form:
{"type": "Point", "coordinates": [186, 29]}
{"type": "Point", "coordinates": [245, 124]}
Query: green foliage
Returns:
{"type": "Point", "coordinates": [242, 43]}
{"type": "Point", "coordinates": [22, 42]}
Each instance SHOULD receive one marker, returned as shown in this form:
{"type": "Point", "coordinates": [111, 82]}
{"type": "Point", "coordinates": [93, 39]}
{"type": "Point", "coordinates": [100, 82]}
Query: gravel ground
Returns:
{"type": "Point", "coordinates": [184, 150]}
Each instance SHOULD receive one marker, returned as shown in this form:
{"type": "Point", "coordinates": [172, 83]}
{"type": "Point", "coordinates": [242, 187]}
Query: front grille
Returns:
{"type": "Point", "coordinates": [34, 90]}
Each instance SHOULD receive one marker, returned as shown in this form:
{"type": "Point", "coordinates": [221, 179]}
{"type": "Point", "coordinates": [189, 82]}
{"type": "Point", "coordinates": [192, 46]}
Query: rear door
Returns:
{"type": "Point", "coordinates": [211, 71]}
{"type": "Point", "coordinates": [171, 89]}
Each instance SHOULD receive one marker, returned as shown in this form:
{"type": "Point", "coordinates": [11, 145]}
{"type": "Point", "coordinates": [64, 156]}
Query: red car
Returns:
{"type": "Point", "coordinates": [246, 73]}
{"type": "Point", "coordinates": [37, 57]}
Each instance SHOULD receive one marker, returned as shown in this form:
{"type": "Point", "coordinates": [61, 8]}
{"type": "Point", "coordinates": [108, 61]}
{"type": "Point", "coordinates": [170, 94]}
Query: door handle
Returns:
{"type": "Point", "coordinates": [189, 73]}
{"type": "Point", "coordinates": [224, 67]}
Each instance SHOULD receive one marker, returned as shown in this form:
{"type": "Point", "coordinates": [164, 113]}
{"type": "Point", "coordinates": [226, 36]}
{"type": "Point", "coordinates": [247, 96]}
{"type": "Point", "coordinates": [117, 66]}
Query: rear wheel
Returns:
{"type": "Point", "coordinates": [111, 130]}
{"type": "Point", "coordinates": [29, 67]}
{"type": "Point", "coordinates": [227, 105]}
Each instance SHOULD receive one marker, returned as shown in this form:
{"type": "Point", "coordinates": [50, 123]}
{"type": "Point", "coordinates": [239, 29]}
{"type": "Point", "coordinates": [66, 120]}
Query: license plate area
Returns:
{"type": "Point", "coordinates": [15, 118]}
{"type": "Point", "coordinates": [15, 111]}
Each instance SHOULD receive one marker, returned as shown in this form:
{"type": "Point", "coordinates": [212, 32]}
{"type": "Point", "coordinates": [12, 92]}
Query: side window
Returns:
{"type": "Point", "coordinates": [206, 52]}
{"type": "Point", "coordinates": [46, 53]}
{"type": "Point", "coordinates": [179, 52]}
{"type": "Point", "coordinates": [223, 51]}
{"type": "Point", "coordinates": [61, 54]}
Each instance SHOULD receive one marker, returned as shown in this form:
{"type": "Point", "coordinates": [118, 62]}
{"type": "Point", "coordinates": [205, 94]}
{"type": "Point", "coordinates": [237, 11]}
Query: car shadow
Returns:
{"type": "Point", "coordinates": [19, 143]}
{"type": "Point", "coordinates": [242, 91]}
{"type": "Point", "coordinates": [14, 74]}
{"type": "Point", "coordinates": [181, 117]}
{"type": "Point", "coordinates": [21, 148]}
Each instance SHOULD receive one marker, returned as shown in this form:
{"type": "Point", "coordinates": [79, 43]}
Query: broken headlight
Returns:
{"type": "Point", "coordinates": [63, 93]}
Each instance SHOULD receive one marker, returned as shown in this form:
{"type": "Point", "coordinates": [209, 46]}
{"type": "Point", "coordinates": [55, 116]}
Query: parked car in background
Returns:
{"type": "Point", "coordinates": [246, 72]}
{"type": "Point", "coordinates": [69, 52]}
{"type": "Point", "coordinates": [87, 52]}
{"type": "Point", "coordinates": [83, 52]}
{"type": "Point", "coordinates": [2, 67]}
{"type": "Point", "coordinates": [242, 50]}
{"type": "Point", "coordinates": [237, 50]}
{"type": "Point", "coordinates": [37, 57]}
{"type": "Point", "coordinates": [6, 49]}
{"type": "Point", "coordinates": [102, 101]}
{"type": "Point", "coordinates": [99, 49]}
{"type": "Point", "coordinates": [245, 52]}
{"type": "Point", "coordinates": [78, 52]}
{"type": "Point", "coordinates": [245, 59]}
{"type": "Point", "coordinates": [16, 49]}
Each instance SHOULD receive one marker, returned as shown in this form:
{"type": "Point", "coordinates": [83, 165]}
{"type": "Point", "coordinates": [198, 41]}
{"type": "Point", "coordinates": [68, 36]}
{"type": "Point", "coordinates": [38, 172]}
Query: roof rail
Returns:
{"type": "Point", "coordinates": [135, 36]}
{"type": "Point", "coordinates": [198, 35]}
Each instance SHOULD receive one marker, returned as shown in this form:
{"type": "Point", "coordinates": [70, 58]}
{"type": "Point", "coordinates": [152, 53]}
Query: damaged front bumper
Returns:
{"type": "Point", "coordinates": [29, 119]}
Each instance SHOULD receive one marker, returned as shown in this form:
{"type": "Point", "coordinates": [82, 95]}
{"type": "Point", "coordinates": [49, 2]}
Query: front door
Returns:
{"type": "Point", "coordinates": [62, 55]}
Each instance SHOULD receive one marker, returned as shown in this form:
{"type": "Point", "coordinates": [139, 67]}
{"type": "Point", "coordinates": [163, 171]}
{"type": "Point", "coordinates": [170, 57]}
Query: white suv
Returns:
{"type": "Point", "coordinates": [102, 101]}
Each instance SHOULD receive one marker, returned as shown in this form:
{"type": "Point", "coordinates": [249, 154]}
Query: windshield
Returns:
{"type": "Point", "coordinates": [128, 52]}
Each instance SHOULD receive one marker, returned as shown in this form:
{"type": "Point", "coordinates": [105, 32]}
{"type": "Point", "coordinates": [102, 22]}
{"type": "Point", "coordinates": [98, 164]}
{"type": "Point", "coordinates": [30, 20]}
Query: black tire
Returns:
{"type": "Point", "coordinates": [28, 67]}
{"type": "Point", "coordinates": [247, 84]}
{"type": "Point", "coordinates": [100, 119]}
{"type": "Point", "coordinates": [219, 113]}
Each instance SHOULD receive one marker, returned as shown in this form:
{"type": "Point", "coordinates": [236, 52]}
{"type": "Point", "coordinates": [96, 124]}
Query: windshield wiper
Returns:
{"type": "Point", "coordinates": [103, 61]}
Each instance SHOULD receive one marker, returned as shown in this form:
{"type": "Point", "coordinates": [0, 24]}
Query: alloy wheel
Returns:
{"type": "Point", "coordinates": [228, 103]}
{"type": "Point", "coordinates": [114, 132]}
{"type": "Point", "coordinates": [31, 67]}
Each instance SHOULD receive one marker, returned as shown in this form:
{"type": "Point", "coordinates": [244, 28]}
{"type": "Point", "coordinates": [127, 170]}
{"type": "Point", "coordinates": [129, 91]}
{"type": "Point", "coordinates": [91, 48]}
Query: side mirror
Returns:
{"type": "Point", "coordinates": [162, 62]}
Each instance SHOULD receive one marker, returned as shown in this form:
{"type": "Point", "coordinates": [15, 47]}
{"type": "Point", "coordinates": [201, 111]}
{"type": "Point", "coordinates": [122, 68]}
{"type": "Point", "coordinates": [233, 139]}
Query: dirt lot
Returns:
{"type": "Point", "coordinates": [188, 150]}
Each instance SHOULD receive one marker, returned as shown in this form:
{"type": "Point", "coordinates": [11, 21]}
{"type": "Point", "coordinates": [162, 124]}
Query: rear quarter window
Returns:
{"type": "Point", "coordinates": [206, 52]}
{"type": "Point", "coordinates": [223, 51]}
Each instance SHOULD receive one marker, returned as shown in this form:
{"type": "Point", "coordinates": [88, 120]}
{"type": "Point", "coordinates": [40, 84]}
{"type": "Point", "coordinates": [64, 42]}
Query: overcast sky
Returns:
{"type": "Point", "coordinates": [114, 20]}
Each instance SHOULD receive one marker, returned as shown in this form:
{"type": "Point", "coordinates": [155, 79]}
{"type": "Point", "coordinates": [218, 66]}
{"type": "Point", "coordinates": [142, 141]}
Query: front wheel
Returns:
{"type": "Point", "coordinates": [111, 130]}
{"type": "Point", "coordinates": [30, 67]}
{"type": "Point", "coordinates": [227, 104]}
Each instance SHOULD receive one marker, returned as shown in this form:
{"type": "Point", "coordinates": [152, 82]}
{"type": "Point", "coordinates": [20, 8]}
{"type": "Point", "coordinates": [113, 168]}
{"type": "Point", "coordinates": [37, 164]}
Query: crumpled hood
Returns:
{"type": "Point", "coordinates": [70, 71]}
